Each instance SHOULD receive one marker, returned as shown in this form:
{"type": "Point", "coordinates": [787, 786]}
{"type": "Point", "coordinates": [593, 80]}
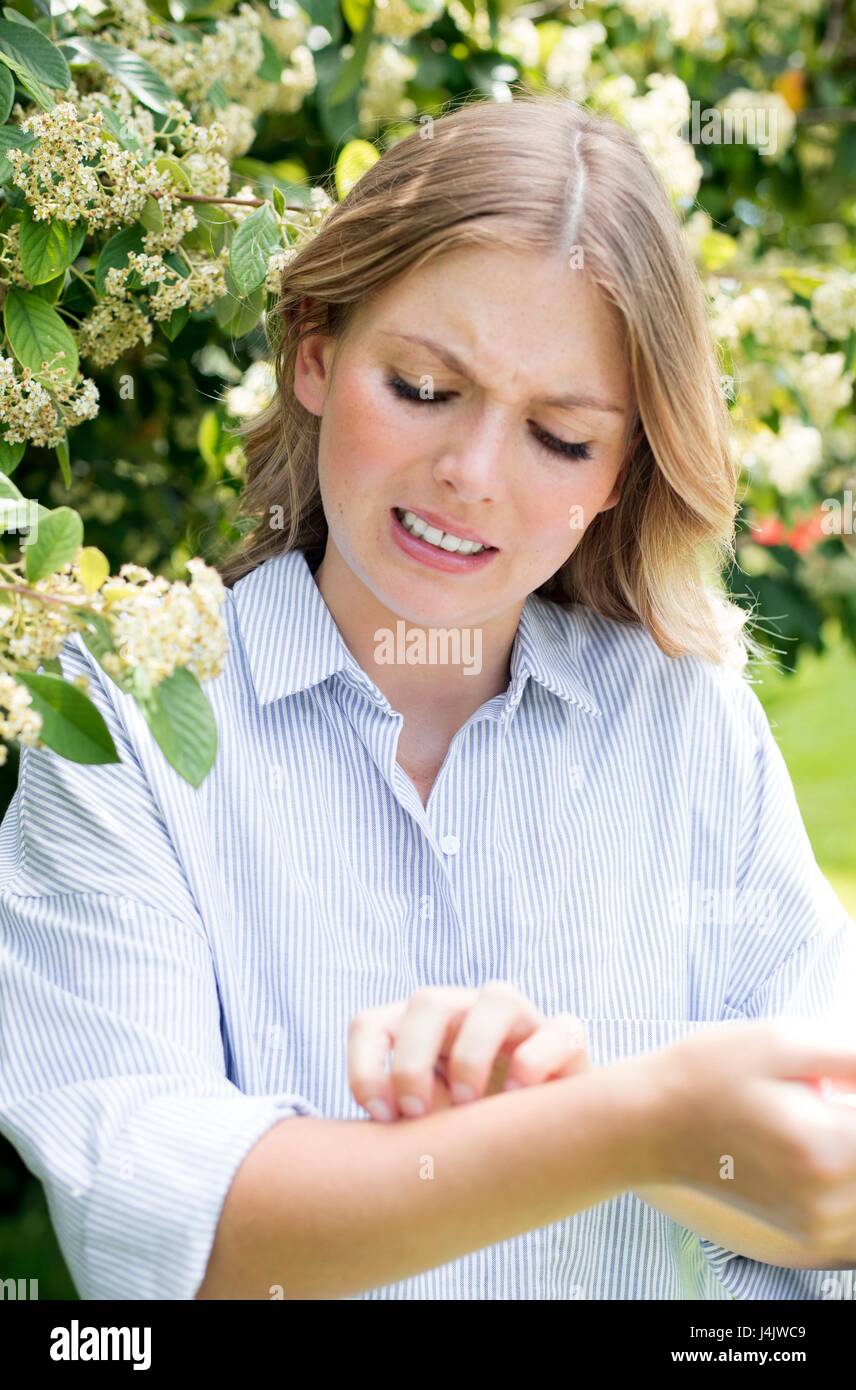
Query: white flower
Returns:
{"type": "Point", "coordinates": [762, 119]}
{"type": "Point", "coordinates": [386, 73]}
{"type": "Point", "coordinates": [821, 380]}
{"type": "Point", "coordinates": [657, 118]}
{"type": "Point", "coordinates": [254, 392]}
{"type": "Point", "coordinates": [568, 65]}
{"type": "Point", "coordinates": [519, 39]}
{"type": "Point", "coordinates": [394, 19]}
{"type": "Point", "coordinates": [833, 305]}
{"type": "Point", "coordinates": [786, 459]}
{"type": "Point", "coordinates": [789, 329]}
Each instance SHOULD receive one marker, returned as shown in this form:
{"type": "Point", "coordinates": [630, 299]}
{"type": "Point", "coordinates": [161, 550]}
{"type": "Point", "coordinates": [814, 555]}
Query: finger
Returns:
{"type": "Point", "coordinates": [556, 1049]}
{"type": "Point", "coordinates": [499, 1020]}
{"type": "Point", "coordinates": [803, 1048]}
{"type": "Point", "coordinates": [425, 1033]}
{"type": "Point", "coordinates": [371, 1037]}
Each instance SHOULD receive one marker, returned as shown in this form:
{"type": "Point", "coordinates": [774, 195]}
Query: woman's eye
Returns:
{"type": "Point", "coordinates": [567, 448]}
{"type": "Point", "coordinates": [413, 393]}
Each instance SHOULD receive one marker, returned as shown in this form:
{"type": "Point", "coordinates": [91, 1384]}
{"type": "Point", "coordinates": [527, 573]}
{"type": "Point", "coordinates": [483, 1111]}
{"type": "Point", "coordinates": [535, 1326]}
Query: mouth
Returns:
{"type": "Point", "coordinates": [455, 552]}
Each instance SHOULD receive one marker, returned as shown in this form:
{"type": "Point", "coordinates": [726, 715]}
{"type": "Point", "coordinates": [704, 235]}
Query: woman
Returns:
{"type": "Point", "coordinates": [491, 792]}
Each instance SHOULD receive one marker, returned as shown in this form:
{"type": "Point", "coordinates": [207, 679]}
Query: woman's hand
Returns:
{"type": "Point", "coordinates": [451, 1045]}
{"type": "Point", "coordinates": [752, 1114]}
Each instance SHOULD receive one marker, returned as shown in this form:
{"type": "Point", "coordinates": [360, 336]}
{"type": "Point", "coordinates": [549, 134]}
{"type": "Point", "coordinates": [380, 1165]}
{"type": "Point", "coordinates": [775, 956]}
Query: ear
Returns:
{"type": "Point", "coordinates": [312, 365]}
{"type": "Point", "coordinates": [615, 495]}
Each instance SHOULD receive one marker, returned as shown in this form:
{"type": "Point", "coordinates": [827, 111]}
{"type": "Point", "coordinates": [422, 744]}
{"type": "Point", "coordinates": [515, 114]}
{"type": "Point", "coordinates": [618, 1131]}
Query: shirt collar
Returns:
{"type": "Point", "coordinates": [291, 641]}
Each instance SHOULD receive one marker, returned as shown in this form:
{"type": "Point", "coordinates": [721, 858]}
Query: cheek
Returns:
{"type": "Point", "coordinates": [363, 433]}
{"type": "Point", "coordinates": [559, 511]}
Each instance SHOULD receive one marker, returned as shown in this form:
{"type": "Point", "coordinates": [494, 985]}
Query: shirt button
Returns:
{"type": "Point", "coordinates": [450, 844]}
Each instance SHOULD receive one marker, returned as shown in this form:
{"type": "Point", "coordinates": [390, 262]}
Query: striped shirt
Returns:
{"type": "Point", "coordinates": [616, 834]}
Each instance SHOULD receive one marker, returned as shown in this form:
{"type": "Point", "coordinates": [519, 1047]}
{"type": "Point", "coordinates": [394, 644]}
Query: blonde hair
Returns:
{"type": "Point", "coordinates": [538, 173]}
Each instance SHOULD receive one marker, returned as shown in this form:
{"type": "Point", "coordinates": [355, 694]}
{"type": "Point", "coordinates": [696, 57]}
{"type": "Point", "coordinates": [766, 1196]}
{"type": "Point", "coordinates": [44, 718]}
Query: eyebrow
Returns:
{"type": "Point", "coordinates": [457, 364]}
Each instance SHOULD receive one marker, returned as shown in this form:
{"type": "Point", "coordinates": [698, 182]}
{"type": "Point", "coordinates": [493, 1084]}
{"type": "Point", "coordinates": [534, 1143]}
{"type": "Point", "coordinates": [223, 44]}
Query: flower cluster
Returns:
{"type": "Point", "coordinates": [156, 626]}
{"type": "Point", "coordinates": [382, 94]}
{"type": "Point", "coordinates": [657, 118]}
{"type": "Point", "coordinates": [73, 171]}
{"type": "Point", "coordinates": [17, 719]}
{"type": "Point", "coordinates": [41, 409]}
{"type": "Point", "coordinates": [229, 55]}
{"type": "Point", "coordinates": [395, 19]}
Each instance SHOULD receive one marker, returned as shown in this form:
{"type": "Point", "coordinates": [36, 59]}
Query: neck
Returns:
{"type": "Point", "coordinates": [436, 675]}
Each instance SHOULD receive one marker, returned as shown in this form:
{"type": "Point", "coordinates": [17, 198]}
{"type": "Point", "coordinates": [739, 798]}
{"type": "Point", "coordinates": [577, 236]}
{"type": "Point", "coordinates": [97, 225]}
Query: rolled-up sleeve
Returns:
{"type": "Point", "coordinates": [113, 1086]}
{"type": "Point", "coordinates": [795, 956]}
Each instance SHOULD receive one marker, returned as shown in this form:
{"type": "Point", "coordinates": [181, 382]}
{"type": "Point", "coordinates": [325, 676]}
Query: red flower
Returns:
{"type": "Point", "coordinates": [769, 531]}
{"type": "Point", "coordinates": [807, 533]}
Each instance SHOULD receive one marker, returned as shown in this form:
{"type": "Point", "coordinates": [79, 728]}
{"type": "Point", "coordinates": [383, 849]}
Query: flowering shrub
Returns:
{"type": "Point", "coordinates": [160, 164]}
{"type": "Point", "coordinates": [156, 640]}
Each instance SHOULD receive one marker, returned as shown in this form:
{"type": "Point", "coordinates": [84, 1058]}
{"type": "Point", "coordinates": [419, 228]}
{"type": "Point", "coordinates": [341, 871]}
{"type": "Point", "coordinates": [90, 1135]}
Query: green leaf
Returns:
{"type": "Point", "coordinates": [213, 224]}
{"type": "Point", "coordinates": [248, 315]}
{"type": "Point", "coordinates": [152, 215]}
{"type": "Point", "coordinates": [62, 454]}
{"type": "Point", "coordinates": [172, 326]}
{"type": "Point", "coordinates": [183, 724]}
{"type": "Point", "coordinates": [114, 254]}
{"type": "Point", "coordinates": [8, 488]}
{"type": "Point", "coordinates": [254, 242]}
{"type": "Point", "coordinates": [59, 539]}
{"type": "Point", "coordinates": [51, 290]}
{"type": "Point", "coordinates": [351, 73]}
{"type": "Point", "coordinates": [11, 137]}
{"type": "Point", "coordinates": [356, 13]}
{"type": "Point", "coordinates": [355, 159]}
{"type": "Point", "coordinates": [7, 93]}
{"type": "Point", "coordinates": [71, 724]}
{"type": "Point", "coordinates": [37, 90]}
{"type": "Point", "coordinates": [168, 164]}
{"type": "Point", "coordinates": [272, 64]}
{"type": "Point", "coordinates": [118, 128]}
{"type": "Point", "coordinates": [10, 457]}
{"type": "Point", "coordinates": [216, 94]}
{"type": "Point", "coordinates": [141, 80]}
{"type": "Point", "coordinates": [96, 633]}
{"type": "Point", "coordinates": [48, 248]}
{"type": "Point", "coordinates": [53, 664]}
{"type": "Point", "coordinates": [800, 282]}
{"type": "Point", "coordinates": [36, 333]}
{"type": "Point", "coordinates": [30, 52]}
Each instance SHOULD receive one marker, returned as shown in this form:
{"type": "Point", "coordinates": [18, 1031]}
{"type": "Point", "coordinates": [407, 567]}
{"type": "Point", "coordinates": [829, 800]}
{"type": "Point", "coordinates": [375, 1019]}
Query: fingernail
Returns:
{"type": "Point", "coordinates": [379, 1110]}
{"type": "Point", "coordinates": [412, 1105]}
{"type": "Point", "coordinates": [461, 1093]}
{"type": "Point", "coordinates": [511, 1085]}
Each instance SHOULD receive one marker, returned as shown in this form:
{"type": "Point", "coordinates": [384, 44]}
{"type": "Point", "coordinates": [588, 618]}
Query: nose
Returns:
{"type": "Point", "coordinates": [476, 465]}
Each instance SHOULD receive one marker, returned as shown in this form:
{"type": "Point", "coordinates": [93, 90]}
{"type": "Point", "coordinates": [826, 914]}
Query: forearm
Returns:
{"type": "Point", "coordinates": [734, 1230]}
{"type": "Point", "coordinates": [328, 1208]}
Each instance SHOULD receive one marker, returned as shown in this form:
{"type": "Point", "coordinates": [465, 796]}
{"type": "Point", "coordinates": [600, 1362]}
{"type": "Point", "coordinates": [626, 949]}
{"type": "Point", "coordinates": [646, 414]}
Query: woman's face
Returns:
{"type": "Point", "coordinates": [480, 452]}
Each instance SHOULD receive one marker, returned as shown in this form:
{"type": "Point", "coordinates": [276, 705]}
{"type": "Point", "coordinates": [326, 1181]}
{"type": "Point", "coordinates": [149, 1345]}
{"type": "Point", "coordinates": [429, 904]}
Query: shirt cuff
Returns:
{"type": "Point", "coordinates": [745, 1279]}
{"type": "Point", "coordinates": [157, 1195]}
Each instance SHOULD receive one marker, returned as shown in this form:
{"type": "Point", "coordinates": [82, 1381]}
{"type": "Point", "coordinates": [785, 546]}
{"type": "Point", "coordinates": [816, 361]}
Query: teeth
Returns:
{"type": "Point", "coordinates": [444, 540]}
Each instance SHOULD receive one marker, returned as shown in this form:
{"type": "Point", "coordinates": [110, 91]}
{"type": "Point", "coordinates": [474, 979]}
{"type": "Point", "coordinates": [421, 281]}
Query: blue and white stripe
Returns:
{"type": "Point", "coordinates": [178, 967]}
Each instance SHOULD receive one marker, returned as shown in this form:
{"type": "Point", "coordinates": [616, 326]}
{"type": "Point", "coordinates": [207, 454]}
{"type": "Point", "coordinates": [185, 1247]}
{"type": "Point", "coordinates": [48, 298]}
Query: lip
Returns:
{"type": "Point", "coordinates": [447, 561]}
{"type": "Point", "coordinates": [445, 523]}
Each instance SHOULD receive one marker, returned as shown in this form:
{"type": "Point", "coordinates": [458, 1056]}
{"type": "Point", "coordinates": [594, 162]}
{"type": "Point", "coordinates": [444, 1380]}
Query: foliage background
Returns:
{"type": "Point", "coordinates": [307, 95]}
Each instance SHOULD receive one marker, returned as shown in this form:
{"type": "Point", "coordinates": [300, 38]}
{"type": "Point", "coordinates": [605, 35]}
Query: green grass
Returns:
{"type": "Point", "coordinates": [813, 718]}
